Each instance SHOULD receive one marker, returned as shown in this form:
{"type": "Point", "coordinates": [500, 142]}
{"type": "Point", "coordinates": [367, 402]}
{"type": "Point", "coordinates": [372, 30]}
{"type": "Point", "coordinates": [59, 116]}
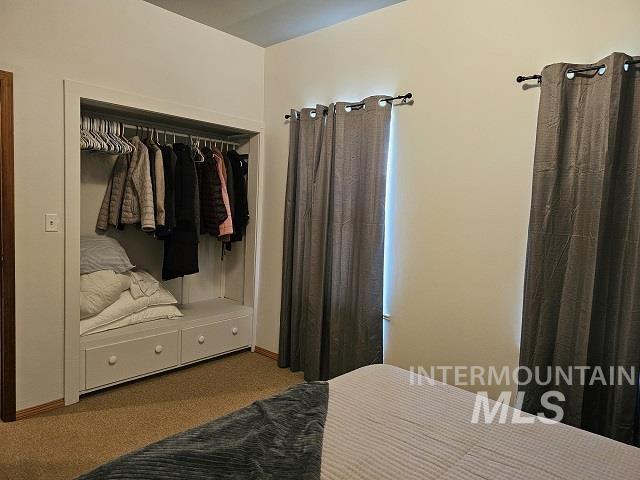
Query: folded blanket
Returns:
{"type": "Point", "coordinates": [143, 284]}
{"type": "Point", "coordinates": [124, 306]}
{"type": "Point", "coordinates": [149, 314]}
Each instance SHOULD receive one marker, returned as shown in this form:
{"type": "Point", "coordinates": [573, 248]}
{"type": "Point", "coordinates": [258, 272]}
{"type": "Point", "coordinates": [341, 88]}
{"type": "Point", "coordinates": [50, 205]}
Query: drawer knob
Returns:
{"type": "Point", "coordinates": [234, 330]}
{"type": "Point", "coordinates": [201, 339]}
{"type": "Point", "coordinates": [112, 360]}
{"type": "Point", "coordinates": [158, 348]}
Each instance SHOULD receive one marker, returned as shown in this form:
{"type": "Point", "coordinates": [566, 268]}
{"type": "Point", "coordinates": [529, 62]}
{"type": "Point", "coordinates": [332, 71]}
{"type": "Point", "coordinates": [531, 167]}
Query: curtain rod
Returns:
{"type": "Point", "coordinates": [405, 98]}
{"type": "Point", "coordinates": [522, 78]}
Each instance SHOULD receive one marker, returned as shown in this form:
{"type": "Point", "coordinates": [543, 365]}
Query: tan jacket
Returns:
{"type": "Point", "coordinates": [112, 201]}
{"type": "Point", "coordinates": [129, 193]}
{"type": "Point", "coordinates": [156, 157]}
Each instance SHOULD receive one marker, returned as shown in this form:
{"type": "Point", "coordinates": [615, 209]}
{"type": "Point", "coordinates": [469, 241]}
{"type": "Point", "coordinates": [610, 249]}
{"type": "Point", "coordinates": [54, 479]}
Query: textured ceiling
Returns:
{"type": "Point", "coordinates": [265, 22]}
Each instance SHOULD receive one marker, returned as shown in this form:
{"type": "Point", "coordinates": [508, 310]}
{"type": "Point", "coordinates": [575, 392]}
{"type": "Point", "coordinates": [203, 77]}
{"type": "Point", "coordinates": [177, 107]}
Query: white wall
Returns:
{"type": "Point", "coordinates": [127, 45]}
{"type": "Point", "coordinates": [462, 155]}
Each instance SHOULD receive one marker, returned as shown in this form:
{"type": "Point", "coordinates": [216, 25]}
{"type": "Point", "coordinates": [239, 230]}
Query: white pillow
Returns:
{"type": "Point", "coordinates": [100, 289]}
{"type": "Point", "coordinates": [149, 314]}
{"type": "Point", "coordinates": [102, 253]}
{"type": "Point", "coordinates": [126, 305]}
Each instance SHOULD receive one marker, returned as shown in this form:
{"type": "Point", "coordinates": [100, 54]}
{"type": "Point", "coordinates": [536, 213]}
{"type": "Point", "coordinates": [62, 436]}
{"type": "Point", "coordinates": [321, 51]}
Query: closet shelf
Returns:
{"type": "Point", "coordinates": [161, 121]}
{"type": "Point", "coordinates": [212, 308]}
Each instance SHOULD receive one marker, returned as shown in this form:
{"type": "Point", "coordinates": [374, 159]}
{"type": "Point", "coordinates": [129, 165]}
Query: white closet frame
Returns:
{"type": "Point", "coordinates": [74, 92]}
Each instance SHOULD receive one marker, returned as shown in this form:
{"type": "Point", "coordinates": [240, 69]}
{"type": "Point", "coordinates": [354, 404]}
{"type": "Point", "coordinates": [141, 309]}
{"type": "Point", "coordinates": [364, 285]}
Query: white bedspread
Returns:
{"type": "Point", "coordinates": [380, 426]}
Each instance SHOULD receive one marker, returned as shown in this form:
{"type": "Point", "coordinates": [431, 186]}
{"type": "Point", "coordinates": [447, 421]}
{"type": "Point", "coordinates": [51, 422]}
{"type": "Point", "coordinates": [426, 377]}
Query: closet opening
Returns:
{"type": "Point", "coordinates": [161, 219]}
{"type": "Point", "coordinates": [7, 255]}
{"type": "Point", "coordinates": [219, 284]}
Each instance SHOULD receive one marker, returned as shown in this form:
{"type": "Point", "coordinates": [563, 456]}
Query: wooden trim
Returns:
{"type": "Point", "coordinates": [266, 353]}
{"type": "Point", "coordinates": [7, 254]}
{"type": "Point", "coordinates": [38, 409]}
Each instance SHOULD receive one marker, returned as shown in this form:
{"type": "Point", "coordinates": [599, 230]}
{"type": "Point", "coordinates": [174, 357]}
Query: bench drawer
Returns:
{"type": "Point", "coordinates": [215, 338]}
{"type": "Point", "coordinates": [131, 358]}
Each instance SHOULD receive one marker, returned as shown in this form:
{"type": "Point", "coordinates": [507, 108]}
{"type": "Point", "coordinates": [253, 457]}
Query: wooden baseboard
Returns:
{"type": "Point", "coordinates": [266, 353]}
{"type": "Point", "coordinates": [38, 409]}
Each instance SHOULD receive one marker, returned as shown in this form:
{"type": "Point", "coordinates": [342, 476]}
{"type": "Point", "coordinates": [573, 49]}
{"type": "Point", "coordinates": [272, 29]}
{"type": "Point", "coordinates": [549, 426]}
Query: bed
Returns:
{"type": "Point", "coordinates": [374, 423]}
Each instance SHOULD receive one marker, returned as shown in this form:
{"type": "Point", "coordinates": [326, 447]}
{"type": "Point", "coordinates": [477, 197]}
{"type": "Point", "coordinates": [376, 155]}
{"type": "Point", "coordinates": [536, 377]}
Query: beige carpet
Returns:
{"type": "Point", "coordinates": [69, 441]}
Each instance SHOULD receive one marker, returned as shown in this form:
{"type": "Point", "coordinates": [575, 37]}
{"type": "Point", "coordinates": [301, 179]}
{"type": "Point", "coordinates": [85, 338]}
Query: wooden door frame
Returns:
{"type": "Point", "coordinates": [7, 254]}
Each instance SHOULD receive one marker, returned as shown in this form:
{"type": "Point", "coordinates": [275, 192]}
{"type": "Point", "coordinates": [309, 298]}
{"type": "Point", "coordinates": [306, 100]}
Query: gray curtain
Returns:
{"type": "Point", "coordinates": [332, 278]}
{"type": "Point", "coordinates": [582, 282]}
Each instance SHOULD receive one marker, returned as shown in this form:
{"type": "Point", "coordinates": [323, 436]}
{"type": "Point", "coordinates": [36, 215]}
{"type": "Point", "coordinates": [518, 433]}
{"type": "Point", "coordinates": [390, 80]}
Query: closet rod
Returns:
{"type": "Point", "coordinates": [522, 78]}
{"type": "Point", "coordinates": [172, 131]}
{"type": "Point", "coordinates": [160, 131]}
{"type": "Point", "coordinates": [405, 98]}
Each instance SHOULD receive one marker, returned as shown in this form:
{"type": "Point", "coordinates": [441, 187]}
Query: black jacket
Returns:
{"type": "Point", "coordinates": [181, 246]}
{"type": "Point", "coordinates": [240, 216]}
{"type": "Point", "coordinates": [169, 164]}
{"type": "Point", "coordinates": [185, 186]}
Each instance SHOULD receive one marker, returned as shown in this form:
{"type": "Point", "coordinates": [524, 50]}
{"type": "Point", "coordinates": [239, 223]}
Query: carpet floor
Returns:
{"type": "Point", "coordinates": [72, 440]}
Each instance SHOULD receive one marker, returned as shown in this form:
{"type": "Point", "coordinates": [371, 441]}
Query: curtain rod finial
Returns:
{"type": "Point", "coordinates": [521, 78]}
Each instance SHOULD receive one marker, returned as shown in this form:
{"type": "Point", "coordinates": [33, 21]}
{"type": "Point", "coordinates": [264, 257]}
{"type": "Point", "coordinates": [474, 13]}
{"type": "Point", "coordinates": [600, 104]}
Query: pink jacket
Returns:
{"type": "Point", "coordinates": [226, 227]}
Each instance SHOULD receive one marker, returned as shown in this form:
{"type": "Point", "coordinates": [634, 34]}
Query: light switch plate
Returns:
{"type": "Point", "coordinates": [50, 222]}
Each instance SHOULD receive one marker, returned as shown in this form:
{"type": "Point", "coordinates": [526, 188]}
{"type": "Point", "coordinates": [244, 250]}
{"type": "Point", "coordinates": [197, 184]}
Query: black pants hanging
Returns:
{"type": "Point", "coordinates": [180, 253]}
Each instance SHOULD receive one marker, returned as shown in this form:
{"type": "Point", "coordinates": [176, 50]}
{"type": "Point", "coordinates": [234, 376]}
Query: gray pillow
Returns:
{"type": "Point", "coordinates": [102, 253]}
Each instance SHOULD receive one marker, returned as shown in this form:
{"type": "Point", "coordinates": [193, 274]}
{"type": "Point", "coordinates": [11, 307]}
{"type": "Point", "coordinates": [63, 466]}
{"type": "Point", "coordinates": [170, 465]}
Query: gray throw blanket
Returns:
{"type": "Point", "coordinates": [276, 438]}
